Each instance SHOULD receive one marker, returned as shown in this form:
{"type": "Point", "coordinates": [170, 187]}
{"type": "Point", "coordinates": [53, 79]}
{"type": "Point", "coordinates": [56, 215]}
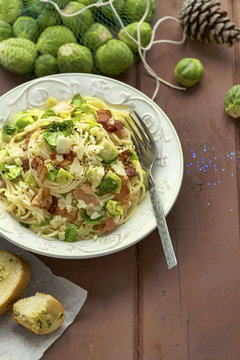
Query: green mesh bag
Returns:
{"type": "Point", "coordinates": [92, 41]}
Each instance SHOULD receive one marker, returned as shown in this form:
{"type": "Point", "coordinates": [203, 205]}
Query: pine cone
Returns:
{"type": "Point", "coordinates": [202, 20]}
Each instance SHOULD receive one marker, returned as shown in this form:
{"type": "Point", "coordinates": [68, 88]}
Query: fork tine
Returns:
{"type": "Point", "coordinates": [138, 141]}
{"type": "Point", "coordinates": [144, 137]}
{"type": "Point", "coordinates": [144, 126]}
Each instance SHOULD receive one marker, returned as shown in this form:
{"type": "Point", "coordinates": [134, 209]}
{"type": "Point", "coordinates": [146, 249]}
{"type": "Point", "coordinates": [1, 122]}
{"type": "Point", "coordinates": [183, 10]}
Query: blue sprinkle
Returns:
{"type": "Point", "coordinates": [209, 184]}
{"type": "Point", "coordinates": [219, 183]}
{"type": "Point", "coordinates": [210, 164]}
{"type": "Point", "coordinates": [204, 146]}
{"type": "Point", "coordinates": [215, 158]}
{"type": "Point", "coordinates": [234, 218]}
{"type": "Point", "coordinates": [204, 171]}
{"type": "Point", "coordinates": [191, 164]}
{"type": "Point", "coordinates": [223, 169]}
{"type": "Point", "coordinates": [214, 165]}
{"type": "Point", "coordinates": [186, 171]}
{"type": "Point", "coordinates": [221, 196]}
{"type": "Point", "coordinates": [188, 165]}
{"type": "Point", "coordinates": [231, 174]}
{"type": "Point", "coordinates": [214, 352]}
{"type": "Point", "coordinates": [208, 203]}
{"type": "Point", "coordinates": [202, 181]}
{"type": "Point", "coordinates": [228, 155]}
{"type": "Point", "coordinates": [202, 159]}
{"type": "Point", "coordinates": [204, 150]}
{"type": "Point", "coordinates": [206, 166]}
{"type": "Point", "coordinates": [213, 148]}
{"type": "Point", "coordinates": [232, 153]}
{"type": "Point", "coordinates": [231, 209]}
{"type": "Point", "coordinates": [197, 162]}
{"type": "Point", "coordinates": [214, 184]}
{"type": "Point", "coordinates": [210, 161]}
{"type": "Point", "coordinates": [191, 150]}
{"type": "Point", "coordinates": [197, 165]}
{"type": "Point", "coordinates": [231, 157]}
{"type": "Point", "coordinates": [215, 169]}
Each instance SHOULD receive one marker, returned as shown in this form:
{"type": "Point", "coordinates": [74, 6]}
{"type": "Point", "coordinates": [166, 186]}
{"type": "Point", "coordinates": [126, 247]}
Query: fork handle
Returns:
{"type": "Point", "coordinates": [162, 225]}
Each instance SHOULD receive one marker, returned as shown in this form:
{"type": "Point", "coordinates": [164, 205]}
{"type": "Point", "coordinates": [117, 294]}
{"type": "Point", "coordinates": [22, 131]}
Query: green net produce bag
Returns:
{"type": "Point", "coordinates": [39, 38]}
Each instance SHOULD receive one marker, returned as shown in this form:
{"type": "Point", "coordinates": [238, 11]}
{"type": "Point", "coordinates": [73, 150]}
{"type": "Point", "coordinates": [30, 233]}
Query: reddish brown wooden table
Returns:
{"type": "Point", "coordinates": [136, 308]}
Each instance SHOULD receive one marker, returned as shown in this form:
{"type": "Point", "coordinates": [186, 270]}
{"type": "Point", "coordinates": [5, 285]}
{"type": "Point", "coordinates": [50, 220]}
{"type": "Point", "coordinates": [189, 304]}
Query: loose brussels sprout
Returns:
{"type": "Point", "coordinates": [232, 102]}
{"type": "Point", "coordinates": [135, 9]}
{"type": "Point", "coordinates": [48, 18]}
{"type": "Point", "coordinates": [114, 207]}
{"type": "Point", "coordinates": [25, 27]}
{"type": "Point", "coordinates": [107, 10]}
{"type": "Point", "coordinates": [79, 23]}
{"type": "Point", "coordinates": [189, 71]}
{"type": "Point", "coordinates": [8, 131]}
{"type": "Point", "coordinates": [53, 37]}
{"type": "Point", "coordinates": [10, 10]}
{"type": "Point", "coordinates": [74, 58]}
{"type": "Point", "coordinates": [24, 121]}
{"type": "Point", "coordinates": [96, 36]}
{"type": "Point", "coordinates": [17, 55]}
{"type": "Point", "coordinates": [145, 35]}
{"type": "Point", "coordinates": [114, 57]}
{"type": "Point", "coordinates": [5, 30]}
{"type": "Point", "coordinates": [45, 65]}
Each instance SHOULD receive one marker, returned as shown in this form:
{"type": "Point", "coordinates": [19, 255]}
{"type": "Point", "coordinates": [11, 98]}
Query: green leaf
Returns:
{"type": "Point", "coordinates": [53, 130]}
{"type": "Point", "coordinates": [108, 162]}
{"type": "Point", "coordinates": [111, 182]}
{"type": "Point", "coordinates": [77, 100]}
{"type": "Point", "coordinates": [8, 131]}
{"type": "Point", "coordinates": [133, 156]}
{"type": "Point", "coordinates": [43, 223]}
{"type": "Point", "coordinates": [114, 207]}
{"type": "Point", "coordinates": [90, 221]}
{"type": "Point", "coordinates": [52, 172]}
{"type": "Point", "coordinates": [24, 121]}
{"type": "Point", "coordinates": [48, 113]}
{"type": "Point", "coordinates": [11, 171]}
{"type": "Point", "coordinates": [72, 231]}
{"type": "Point", "coordinates": [27, 226]}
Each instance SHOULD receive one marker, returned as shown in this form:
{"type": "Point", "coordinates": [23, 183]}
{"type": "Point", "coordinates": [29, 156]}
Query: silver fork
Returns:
{"type": "Point", "coordinates": [147, 153]}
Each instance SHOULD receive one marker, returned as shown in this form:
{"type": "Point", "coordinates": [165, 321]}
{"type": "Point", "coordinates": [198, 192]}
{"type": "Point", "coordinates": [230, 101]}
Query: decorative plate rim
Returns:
{"type": "Point", "coordinates": [174, 195]}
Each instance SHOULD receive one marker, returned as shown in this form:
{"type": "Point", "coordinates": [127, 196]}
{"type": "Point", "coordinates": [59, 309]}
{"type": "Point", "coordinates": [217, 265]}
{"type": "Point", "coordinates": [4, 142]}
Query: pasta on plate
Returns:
{"type": "Point", "coordinates": [70, 171]}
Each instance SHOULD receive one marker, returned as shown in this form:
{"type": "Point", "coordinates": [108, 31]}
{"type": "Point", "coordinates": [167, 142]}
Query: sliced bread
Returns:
{"type": "Point", "coordinates": [41, 314]}
{"type": "Point", "coordinates": [15, 273]}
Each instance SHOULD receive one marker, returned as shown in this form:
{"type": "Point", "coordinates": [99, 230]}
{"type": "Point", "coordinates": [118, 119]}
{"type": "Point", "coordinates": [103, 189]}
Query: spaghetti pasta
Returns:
{"type": "Point", "coordinates": [70, 171]}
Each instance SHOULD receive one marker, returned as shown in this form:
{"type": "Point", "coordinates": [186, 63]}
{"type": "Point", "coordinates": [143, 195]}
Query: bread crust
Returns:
{"type": "Point", "coordinates": [20, 286]}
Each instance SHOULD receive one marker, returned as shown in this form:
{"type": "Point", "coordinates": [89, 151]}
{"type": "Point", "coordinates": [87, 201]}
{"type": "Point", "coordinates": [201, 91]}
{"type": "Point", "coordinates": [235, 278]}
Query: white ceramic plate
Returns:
{"type": "Point", "coordinates": [168, 171]}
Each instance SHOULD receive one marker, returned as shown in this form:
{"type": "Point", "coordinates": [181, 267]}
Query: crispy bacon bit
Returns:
{"type": "Point", "coordinates": [104, 115]}
{"type": "Point", "coordinates": [127, 163]}
{"type": "Point", "coordinates": [84, 192]}
{"type": "Point", "coordinates": [53, 205]}
{"type": "Point", "coordinates": [42, 199]}
{"type": "Point", "coordinates": [67, 158]}
{"type": "Point", "coordinates": [110, 224]}
{"type": "Point", "coordinates": [25, 162]}
{"type": "Point", "coordinates": [27, 139]}
{"type": "Point", "coordinates": [40, 167]}
{"type": "Point", "coordinates": [124, 192]}
{"type": "Point", "coordinates": [130, 171]}
{"type": "Point", "coordinates": [105, 118]}
{"type": "Point", "coordinates": [71, 216]}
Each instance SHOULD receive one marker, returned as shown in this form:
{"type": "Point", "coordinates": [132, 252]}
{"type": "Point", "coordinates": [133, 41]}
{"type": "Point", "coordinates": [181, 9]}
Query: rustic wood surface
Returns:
{"type": "Point", "coordinates": [136, 308]}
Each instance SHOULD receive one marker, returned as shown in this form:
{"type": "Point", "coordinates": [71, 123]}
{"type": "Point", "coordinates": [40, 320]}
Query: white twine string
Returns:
{"type": "Point", "coordinates": [141, 50]}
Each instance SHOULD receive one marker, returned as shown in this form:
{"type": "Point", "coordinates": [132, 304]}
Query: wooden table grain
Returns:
{"type": "Point", "coordinates": [136, 308]}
